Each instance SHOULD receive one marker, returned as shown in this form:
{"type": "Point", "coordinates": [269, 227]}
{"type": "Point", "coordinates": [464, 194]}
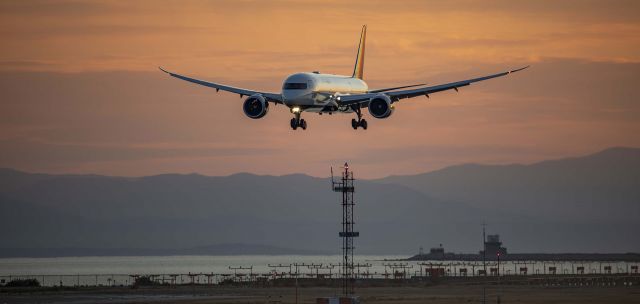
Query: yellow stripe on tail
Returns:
{"type": "Point", "coordinates": [358, 69]}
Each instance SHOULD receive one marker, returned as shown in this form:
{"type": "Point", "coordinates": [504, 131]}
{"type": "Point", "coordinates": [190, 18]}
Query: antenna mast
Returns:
{"type": "Point", "coordinates": [345, 186]}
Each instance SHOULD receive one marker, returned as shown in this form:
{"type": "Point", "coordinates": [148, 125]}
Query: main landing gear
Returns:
{"type": "Point", "coordinates": [360, 122]}
{"type": "Point", "coordinates": [297, 122]}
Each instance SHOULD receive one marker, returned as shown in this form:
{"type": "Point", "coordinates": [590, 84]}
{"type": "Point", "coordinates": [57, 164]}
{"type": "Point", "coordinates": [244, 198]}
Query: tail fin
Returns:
{"type": "Point", "coordinates": [358, 69]}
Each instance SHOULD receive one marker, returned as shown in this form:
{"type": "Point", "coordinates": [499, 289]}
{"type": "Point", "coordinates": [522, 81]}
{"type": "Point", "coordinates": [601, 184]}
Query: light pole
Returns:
{"type": "Point", "coordinates": [484, 249]}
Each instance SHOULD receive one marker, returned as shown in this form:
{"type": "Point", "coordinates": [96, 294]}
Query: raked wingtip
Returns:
{"type": "Point", "coordinates": [520, 69]}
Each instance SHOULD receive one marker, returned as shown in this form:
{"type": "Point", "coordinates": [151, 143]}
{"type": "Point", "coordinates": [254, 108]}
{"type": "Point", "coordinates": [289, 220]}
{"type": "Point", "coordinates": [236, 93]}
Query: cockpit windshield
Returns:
{"type": "Point", "coordinates": [295, 86]}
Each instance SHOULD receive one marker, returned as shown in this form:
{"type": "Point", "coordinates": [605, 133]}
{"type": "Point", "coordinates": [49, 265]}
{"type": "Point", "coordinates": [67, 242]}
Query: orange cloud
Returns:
{"type": "Point", "coordinates": [269, 39]}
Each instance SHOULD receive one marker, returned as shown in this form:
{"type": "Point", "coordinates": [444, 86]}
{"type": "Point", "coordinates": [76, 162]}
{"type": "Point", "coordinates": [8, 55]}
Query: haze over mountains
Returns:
{"type": "Point", "coordinates": [582, 204]}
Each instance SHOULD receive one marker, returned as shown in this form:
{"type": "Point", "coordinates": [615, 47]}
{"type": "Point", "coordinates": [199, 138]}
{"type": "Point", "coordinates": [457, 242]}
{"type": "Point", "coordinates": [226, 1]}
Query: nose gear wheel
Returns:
{"type": "Point", "coordinates": [297, 122]}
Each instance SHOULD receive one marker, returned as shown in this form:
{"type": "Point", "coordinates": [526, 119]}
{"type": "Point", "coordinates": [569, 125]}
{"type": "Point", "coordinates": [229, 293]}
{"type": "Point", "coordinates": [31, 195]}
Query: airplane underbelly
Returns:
{"type": "Point", "coordinates": [300, 100]}
{"type": "Point", "coordinates": [328, 109]}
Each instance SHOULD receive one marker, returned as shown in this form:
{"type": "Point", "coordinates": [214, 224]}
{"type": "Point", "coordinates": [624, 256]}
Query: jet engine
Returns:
{"type": "Point", "coordinates": [255, 106]}
{"type": "Point", "coordinates": [380, 106]}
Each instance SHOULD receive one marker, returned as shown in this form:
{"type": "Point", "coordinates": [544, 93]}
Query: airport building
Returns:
{"type": "Point", "coordinates": [493, 246]}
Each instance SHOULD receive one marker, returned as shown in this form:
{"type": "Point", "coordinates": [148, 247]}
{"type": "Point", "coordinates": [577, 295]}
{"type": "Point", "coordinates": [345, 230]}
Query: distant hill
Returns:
{"type": "Point", "coordinates": [601, 186]}
{"type": "Point", "coordinates": [218, 249]}
{"type": "Point", "coordinates": [184, 211]}
{"type": "Point", "coordinates": [587, 204]}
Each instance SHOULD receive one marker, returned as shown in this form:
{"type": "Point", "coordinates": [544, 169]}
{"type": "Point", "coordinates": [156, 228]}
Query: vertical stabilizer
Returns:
{"type": "Point", "coordinates": [358, 69]}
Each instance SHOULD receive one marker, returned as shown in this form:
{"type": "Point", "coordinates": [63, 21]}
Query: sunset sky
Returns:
{"type": "Point", "coordinates": [81, 92]}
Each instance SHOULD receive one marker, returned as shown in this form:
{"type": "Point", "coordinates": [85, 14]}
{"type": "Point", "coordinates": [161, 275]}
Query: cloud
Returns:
{"type": "Point", "coordinates": [263, 39]}
{"type": "Point", "coordinates": [62, 8]}
{"type": "Point", "coordinates": [27, 65]}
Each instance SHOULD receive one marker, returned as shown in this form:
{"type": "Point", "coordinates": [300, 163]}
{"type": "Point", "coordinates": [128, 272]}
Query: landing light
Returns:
{"type": "Point", "coordinates": [295, 110]}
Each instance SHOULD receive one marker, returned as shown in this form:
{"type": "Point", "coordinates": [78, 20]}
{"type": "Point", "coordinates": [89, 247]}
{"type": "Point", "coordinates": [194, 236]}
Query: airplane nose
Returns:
{"type": "Point", "coordinates": [290, 94]}
{"type": "Point", "coordinates": [296, 88]}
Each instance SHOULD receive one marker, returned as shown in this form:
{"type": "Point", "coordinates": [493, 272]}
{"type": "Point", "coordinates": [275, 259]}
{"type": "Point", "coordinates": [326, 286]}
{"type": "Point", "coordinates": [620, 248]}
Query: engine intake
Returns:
{"type": "Point", "coordinates": [380, 106]}
{"type": "Point", "coordinates": [255, 106]}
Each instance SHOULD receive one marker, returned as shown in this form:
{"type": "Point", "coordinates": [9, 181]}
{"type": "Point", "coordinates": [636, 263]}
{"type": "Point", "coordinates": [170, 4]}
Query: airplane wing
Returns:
{"type": "Point", "coordinates": [346, 100]}
{"type": "Point", "coordinates": [396, 88]}
{"type": "Point", "coordinates": [273, 97]}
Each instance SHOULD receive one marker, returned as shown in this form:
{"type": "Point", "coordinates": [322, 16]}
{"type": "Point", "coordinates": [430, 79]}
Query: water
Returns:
{"type": "Point", "coordinates": [162, 264]}
{"type": "Point", "coordinates": [117, 270]}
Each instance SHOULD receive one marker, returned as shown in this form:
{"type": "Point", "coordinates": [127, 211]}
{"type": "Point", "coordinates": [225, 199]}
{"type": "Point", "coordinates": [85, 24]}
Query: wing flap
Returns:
{"type": "Point", "coordinates": [396, 88]}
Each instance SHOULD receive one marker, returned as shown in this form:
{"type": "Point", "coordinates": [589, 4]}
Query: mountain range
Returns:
{"type": "Point", "coordinates": [582, 204]}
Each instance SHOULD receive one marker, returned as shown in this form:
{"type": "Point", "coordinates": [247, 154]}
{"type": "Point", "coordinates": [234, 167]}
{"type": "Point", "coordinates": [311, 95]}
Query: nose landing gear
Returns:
{"type": "Point", "coordinates": [295, 123]}
{"type": "Point", "coordinates": [298, 122]}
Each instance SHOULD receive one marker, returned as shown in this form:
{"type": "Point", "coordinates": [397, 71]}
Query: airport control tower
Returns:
{"type": "Point", "coordinates": [493, 246]}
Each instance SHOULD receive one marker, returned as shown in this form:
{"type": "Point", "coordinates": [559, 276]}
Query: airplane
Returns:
{"type": "Point", "coordinates": [320, 93]}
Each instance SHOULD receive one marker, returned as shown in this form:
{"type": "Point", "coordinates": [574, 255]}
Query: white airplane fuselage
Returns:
{"type": "Point", "coordinates": [315, 92]}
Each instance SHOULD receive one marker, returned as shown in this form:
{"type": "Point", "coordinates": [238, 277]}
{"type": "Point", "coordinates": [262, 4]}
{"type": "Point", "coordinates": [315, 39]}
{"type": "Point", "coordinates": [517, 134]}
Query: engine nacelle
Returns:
{"type": "Point", "coordinates": [380, 106]}
{"type": "Point", "coordinates": [255, 106]}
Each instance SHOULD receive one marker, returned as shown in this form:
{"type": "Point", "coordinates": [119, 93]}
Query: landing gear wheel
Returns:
{"type": "Point", "coordinates": [355, 123]}
{"type": "Point", "coordinates": [303, 124]}
{"type": "Point", "coordinates": [294, 123]}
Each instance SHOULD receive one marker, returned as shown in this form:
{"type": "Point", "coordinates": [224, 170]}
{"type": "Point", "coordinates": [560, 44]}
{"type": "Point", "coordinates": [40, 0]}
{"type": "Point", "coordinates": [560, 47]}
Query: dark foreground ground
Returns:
{"type": "Point", "coordinates": [443, 293]}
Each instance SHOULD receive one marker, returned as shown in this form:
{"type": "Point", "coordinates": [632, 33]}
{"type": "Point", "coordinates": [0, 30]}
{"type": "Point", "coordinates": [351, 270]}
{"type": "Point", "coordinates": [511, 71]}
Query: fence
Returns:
{"type": "Point", "coordinates": [535, 270]}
